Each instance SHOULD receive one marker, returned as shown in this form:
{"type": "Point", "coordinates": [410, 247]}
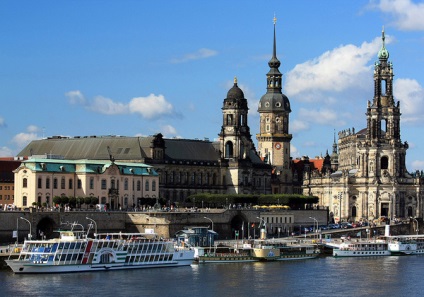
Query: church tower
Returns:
{"type": "Point", "coordinates": [236, 143]}
{"type": "Point", "coordinates": [235, 138]}
{"type": "Point", "coordinates": [274, 137]}
{"type": "Point", "coordinates": [385, 153]}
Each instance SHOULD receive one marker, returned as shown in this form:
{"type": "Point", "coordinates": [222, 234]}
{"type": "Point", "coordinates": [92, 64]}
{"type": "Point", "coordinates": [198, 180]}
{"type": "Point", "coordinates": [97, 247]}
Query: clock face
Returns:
{"type": "Point", "coordinates": [278, 145]}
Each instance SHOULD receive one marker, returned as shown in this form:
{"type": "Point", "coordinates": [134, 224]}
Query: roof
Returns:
{"type": "Point", "coordinates": [87, 166]}
{"type": "Point", "coordinates": [124, 148]}
{"type": "Point", "coordinates": [185, 149]}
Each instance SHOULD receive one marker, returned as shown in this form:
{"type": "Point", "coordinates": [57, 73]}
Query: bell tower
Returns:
{"type": "Point", "coordinates": [386, 152]}
{"type": "Point", "coordinates": [235, 138]}
{"type": "Point", "coordinates": [274, 137]}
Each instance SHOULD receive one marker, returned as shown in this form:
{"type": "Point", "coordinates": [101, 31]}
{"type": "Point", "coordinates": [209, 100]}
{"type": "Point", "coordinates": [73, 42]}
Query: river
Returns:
{"type": "Point", "coordinates": [328, 276]}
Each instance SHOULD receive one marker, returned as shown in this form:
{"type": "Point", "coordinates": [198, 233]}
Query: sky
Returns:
{"type": "Point", "coordinates": [137, 68]}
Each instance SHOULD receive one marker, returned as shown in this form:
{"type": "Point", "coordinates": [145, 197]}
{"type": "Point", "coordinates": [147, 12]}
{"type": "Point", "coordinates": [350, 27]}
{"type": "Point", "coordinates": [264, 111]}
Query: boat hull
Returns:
{"type": "Point", "coordinates": [26, 267]}
{"type": "Point", "coordinates": [340, 253]}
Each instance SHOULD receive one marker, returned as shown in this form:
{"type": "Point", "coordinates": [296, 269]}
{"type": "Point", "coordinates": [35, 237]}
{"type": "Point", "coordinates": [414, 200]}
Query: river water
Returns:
{"type": "Point", "coordinates": [378, 276]}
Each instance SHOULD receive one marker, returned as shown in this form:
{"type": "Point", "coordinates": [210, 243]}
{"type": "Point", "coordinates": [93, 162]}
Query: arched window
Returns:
{"type": "Point", "coordinates": [62, 183]}
{"type": "Point", "coordinates": [384, 162]}
{"type": "Point", "coordinates": [24, 201]}
{"type": "Point", "coordinates": [153, 185]}
{"type": "Point", "coordinates": [138, 185]}
{"type": "Point", "coordinates": [146, 188]}
{"type": "Point", "coordinates": [55, 183]}
{"type": "Point", "coordinates": [24, 182]}
{"type": "Point", "coordinates": [47, 183]}
{"type": "Point", "coordinates": [126, 184]}
{"type": "Point", "coordinates": [353, 211]}
{"type": "Point", "coordinates": [229, 150]}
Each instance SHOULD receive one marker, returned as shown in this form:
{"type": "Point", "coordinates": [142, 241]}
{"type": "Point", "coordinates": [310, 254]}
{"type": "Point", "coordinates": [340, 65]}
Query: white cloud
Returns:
{"type": "Point", "coordinates": [2, 122]}
{"type": "Point", "coordinates": [5, 152]}
{"type": "Point", "coordinates": [169, 131]}
{"type": "Point", "coordinates": [323, 116]}
{"type": "Point", "coordinates": [148, 107]}
{"type": "Point", "coordinates": [336, 71]}
{"type": "Point", "coordinates": [407, 14]}
{"type": "Point", "coordinates": [33, 129]}
{"type": "Point", "coordinates": [202, 53]}
{"type": "Point", "coordinates": [417, 165]}
{"type": "Point", "coordinates": [151, 106]}
{"type": "Point", "coordinates": [75, 97]}
{"type": "Point", "coordinates": [293, 150]}
{"type": "Point", "coordinates": [107, 106]}
{"type": "Point", "coordinates": [298, 125]}
{"type": "Point", "coordinates": [22, 139]}
{"type": "Point", "coordinates": [411, 96]}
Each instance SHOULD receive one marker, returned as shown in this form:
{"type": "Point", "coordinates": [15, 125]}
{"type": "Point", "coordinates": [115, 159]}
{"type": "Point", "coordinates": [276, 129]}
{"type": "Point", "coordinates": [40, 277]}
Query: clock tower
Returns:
{"type": "Point", "coordinates": [274, 137]}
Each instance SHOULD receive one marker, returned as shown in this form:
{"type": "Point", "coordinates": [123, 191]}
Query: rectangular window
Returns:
{"type": "Point", "coordinates": [24, 201]}
{"type": "Point", "coordinates": [147, 186]}
{"type": "Point", "coordinates": [71, 183]}
{"type": "Point", "coordinates": [62, 183]}
{"type": "Point", "coordinates": [79, 184]}
{"type": "Point", "coordinates": [103, 184]}
{"type": "Point", "coordinates": [55, 183]}
{"type": "Point", "coordinates": [91, 183]}
{"type": "Point", "coordinates": [47, 183]}
{"type": "Point", "coordinates": [40, 183]}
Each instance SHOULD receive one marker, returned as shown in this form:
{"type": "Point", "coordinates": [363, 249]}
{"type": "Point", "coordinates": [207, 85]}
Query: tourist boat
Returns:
{"type": "Point", "coordinates": [362, 248]}
{"type": "Point", "coordinates": [285, 250]}
{"type": "Point", "coordinates": [258, 250]}
{"type": "Point", "coordinates": [406, 244]}
{"type": "Point", "coordinates": [224, 254]}
{"type": "Point", "coordinates": [73, 251]}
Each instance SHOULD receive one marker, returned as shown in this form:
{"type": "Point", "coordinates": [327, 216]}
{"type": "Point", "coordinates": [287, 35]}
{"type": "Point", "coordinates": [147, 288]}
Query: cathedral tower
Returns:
{"type": "Point", "coordinates": [274, 137]}
{"type": "Point", "coordinates": [387, 154]}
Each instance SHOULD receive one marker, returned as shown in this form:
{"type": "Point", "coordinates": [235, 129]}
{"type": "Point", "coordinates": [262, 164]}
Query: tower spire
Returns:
{"type": "Point", "coordinates": [383, 53]}
{"type": "Point", "coordinates": [274, 52]}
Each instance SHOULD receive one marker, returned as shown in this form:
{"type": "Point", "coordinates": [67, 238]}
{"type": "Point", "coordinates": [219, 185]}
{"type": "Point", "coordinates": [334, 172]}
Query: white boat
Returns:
{"type": "Point", "coordinates": [362, 248]}
{"type": "Point", "coordinates": [75, 252]}
{"type": "Point", "coordinates": [406, 244]}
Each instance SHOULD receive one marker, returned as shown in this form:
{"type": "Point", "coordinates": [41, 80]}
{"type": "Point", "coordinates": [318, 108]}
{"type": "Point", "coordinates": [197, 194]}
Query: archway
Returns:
{"type": "Point", "coordinates": [239, 227]}
{"type": "Point", "coordinates": [45, 228]}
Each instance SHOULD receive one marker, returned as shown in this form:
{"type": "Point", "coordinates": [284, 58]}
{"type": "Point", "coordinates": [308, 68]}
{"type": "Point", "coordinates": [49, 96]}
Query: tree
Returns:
{"type": "Point", "coordinates": [57, 200]}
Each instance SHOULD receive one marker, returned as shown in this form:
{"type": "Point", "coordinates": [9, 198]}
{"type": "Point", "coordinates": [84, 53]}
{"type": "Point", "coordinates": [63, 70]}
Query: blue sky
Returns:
{"type": "Point", "coordinates": [75, 68]}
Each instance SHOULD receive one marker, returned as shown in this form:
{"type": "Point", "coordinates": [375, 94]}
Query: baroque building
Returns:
{"type": "Point", "coordinates": [230, 165]}
{"type": "Point", "coordinates": [367, 177]}
{"type": "Point", "coordinates": [274, 137]}
{"type": "Point", "coordinates": [116, 184]}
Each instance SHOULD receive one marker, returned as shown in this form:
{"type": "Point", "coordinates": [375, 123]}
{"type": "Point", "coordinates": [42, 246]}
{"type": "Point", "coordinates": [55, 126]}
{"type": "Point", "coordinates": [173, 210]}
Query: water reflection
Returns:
{"type": "Point", "coordinates": [380, 276]}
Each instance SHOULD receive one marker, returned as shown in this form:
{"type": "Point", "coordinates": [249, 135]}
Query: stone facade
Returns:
{"type": "Point", "coordinates": [117, 184]}
{"type": "Point", "coordinates": [368, 177]}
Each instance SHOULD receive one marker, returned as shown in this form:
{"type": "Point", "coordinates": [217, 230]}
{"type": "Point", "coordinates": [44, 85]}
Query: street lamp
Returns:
{"type": "Point", "coordinates": [95, 226]}
{"type": "Point", "coordinates": [315, 221]}
{"type": "Point", "coordinates": [209, 220]}
{"type": "Point", "coordinates": [30, 230]}
{"type": "Point", "coordinates": [340, 197]}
